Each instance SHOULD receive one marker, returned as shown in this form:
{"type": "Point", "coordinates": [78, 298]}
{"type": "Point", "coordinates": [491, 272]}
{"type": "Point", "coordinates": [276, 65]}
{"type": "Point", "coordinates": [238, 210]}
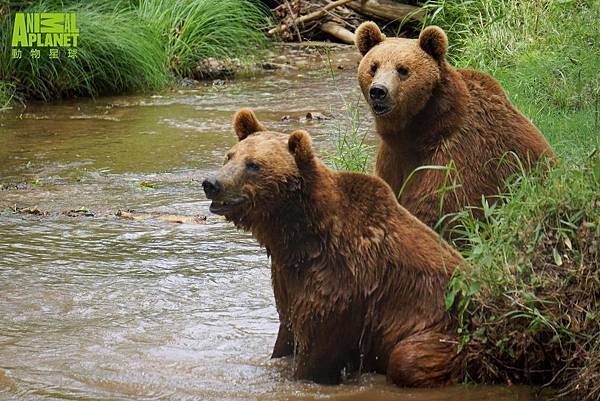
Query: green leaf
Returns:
{"type": "Point", "coordinates": [557, 259]}
{"type": "Point", "coordinates": [449, 299]}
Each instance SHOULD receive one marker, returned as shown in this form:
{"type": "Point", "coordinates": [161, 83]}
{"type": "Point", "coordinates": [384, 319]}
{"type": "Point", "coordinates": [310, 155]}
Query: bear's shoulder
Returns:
{"type": "Point", "coordinates": [370, 211]}
{"type": "Point", "coordinates": [480, 82]}
{"type": "Point", "coordinates": [367, 197]}
{"type": "Point", "coordinates": [362, 187]}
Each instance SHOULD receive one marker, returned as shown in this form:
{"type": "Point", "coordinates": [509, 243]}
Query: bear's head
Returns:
{"type": "Point", "coordinates": [261, 174]}
{"type": "Point", "coordinates": [397, 76]}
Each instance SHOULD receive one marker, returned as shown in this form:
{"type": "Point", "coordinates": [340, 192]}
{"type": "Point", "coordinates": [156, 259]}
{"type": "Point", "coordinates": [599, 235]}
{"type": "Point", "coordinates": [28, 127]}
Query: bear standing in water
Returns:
{"type": "Point", "coordinates": [430, 113]}
{"type": "Point", "coordinates": [358, 281]}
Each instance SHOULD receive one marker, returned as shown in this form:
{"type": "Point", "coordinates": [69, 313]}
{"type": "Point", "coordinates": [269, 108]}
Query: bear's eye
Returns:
{"type": "Point", "coordinates": [374, 67]}
{"type": "Point", "coordinates": [252, 166]}
{"type": "Point", "coordinates": [402, 72]}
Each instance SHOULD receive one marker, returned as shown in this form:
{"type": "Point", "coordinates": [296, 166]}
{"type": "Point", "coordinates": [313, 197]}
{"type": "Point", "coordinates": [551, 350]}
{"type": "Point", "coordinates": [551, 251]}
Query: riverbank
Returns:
{"type": "Point", "coordinates": [127, 47]}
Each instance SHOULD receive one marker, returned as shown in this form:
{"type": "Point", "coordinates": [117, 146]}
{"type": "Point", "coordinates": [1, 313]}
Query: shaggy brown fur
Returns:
{"type": "Point", "coordinates": [435, 114]}
{"type": "Point", "coordinates": [353, 272]}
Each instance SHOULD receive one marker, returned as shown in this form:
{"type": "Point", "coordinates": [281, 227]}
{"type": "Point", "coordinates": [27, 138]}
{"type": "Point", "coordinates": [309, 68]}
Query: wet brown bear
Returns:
{"type": "Point", "coordinates": [430, 113]}
{"type": "Point", "coordinates": [353, 272]}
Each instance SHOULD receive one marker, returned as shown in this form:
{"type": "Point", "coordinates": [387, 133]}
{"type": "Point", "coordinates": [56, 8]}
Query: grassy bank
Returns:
{"type": "Point", "coordinates": [116, 53]}
{"type": "Point", "coordinates": [129, 46]}
{"type": "Point", "coordinates": [196, 30]}
{"type": "Point", "coordinates": [530, 310]}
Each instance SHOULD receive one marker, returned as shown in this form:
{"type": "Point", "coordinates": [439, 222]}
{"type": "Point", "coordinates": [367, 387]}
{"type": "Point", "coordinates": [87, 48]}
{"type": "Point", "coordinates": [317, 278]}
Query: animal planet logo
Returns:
{"type": "Point", "coordinates": [50, 30]}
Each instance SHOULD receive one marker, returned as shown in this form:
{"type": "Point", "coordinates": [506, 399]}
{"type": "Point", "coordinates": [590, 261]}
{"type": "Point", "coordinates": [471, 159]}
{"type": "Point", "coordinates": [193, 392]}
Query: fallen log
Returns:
{"type": "Point", "coordinates": [386, 9]}
{"type": "Point", "coordinates": [338, 31]}
{"type": "Point", "coordinates": [311, 16]}
{"type": "Point", "coordinates": [171, 218]}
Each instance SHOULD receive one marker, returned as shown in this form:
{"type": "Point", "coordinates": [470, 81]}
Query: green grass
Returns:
{"type": "Point", "coordinates": [7, 93]}
{"type": "Point", "coordinates": [351, 151]}
{"type": "Point", "coordinates": [129, 46]}
{"type": "Point", "coordinates": [116, 53]}
{"type": "Point", "coordinates": [195, 30]}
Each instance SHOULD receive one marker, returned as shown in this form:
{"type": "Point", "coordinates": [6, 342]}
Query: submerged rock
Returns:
{"type": "Point", "coordinates": [315, 115]}
{"type": "Point", "coordinates": [17, 186]}
{"type": "Point", "coordinates": [187, 83]}
{"type": "Point", "coordinates": [310, 116]}
{"type": "Point", "coordinates": [81, 212]}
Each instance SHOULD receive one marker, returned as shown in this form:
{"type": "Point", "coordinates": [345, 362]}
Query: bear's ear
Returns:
{"type": "Point", "coordinates": [366, 36]}
{"type": "Point", "coordinates": [245, 123]}
{"type": "Point", "coordinates": [300, 146]}
{"type": "Point", "coordinates": [434, 41]}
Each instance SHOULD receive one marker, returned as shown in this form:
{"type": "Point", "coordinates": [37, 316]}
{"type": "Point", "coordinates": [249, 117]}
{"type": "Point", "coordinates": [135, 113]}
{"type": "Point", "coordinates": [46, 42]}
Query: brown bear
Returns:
{"type": "Point", "coordinates": [429, 113]}
{"type": "Point", "coordinates": [358, 281]}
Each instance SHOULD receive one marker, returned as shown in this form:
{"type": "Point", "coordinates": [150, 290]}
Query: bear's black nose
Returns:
{"type": "Point", "coordinates": [378, 92]}
{"type": "Point", "coordinates": [211, 186]}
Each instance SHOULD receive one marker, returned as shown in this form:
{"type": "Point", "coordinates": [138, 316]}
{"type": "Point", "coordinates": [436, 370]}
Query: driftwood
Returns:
{"type": "Point", "coordinates": [124, 214]}
{"type": "Point", "coordinates": [386, 9]}
{"type": "Point", "coordinates": [338, 31]}
{"type": "Point", "coordinates": [31, 210]}
{"type": "Point", "coordinates": [171, 218]}
{"type": "Point", "coordinates": [312, 16]}
{"type": "Point", "coordinates": [299, 19]}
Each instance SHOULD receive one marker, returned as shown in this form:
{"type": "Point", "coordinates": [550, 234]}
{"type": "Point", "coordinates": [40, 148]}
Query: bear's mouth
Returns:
{"type": "Point", "coordinates": [380, 109]}
{"type": "Point", "coordinates": [222, 207]}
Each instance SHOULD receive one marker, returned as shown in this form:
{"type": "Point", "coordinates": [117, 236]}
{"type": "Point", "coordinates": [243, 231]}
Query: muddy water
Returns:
{"type": "Point", "coordinates": [100, 308]}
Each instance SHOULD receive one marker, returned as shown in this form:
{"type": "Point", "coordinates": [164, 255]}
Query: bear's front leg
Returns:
{"type": "Point", "coordinates": [324, 350]}
{"type": "Point", "coordinates": [389, 167]}
{"type": "Point", "coordinates": [318, 366]}
{"type": "Point", "coordinates": [284, 345]}
{"type": "Point", "coordinates": [427, 359]}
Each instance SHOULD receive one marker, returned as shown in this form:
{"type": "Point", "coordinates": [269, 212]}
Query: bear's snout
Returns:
{"type": "Point", "coordinates": [212, 187]}
{"type": "Point", "coordinates": [380, 102]}
{"type": "Point", "coordinates": [378, 92]}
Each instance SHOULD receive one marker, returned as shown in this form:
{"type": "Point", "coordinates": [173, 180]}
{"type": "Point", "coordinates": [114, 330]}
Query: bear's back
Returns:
{"type": "Point", "coordinates": [495, 119]}
{"type": "Point", "coordinates": [370, 210]}
{"type": "Point", "coordinates": [494, 127]}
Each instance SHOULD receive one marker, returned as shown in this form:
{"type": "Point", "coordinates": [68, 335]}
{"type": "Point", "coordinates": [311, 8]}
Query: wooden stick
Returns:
{"type": "Point", "coordinates": [287, 3]}
{"type": "Point", "coordinates": [386, 9]}
{"type": "Point", "coordinates": [338, 31]}
{"type": "Point", "coordinates": [311, 16]}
